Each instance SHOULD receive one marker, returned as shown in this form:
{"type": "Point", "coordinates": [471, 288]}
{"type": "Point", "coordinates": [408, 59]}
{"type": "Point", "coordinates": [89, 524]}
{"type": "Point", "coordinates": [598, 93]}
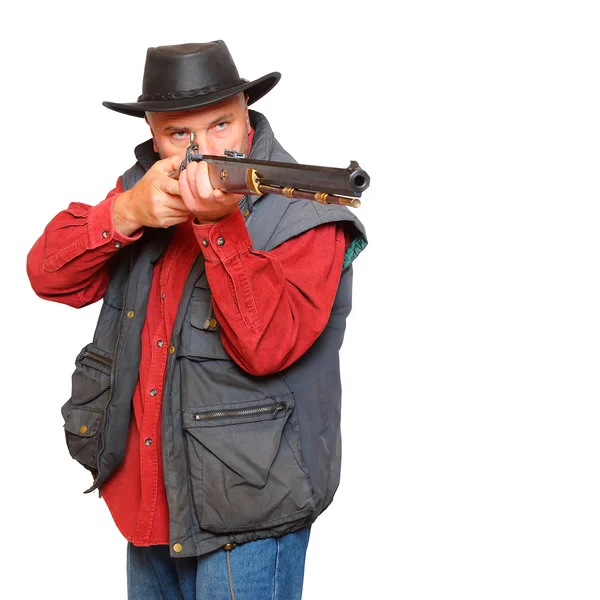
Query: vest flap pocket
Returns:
{"type": "Point", "coordinates": [203, 339]}
{"type": "Point", "coordinates": [81, 433]}
{"type": "Point", "coordinates": [246, 466]}
{"type": "Point", "coordinates": [83, 422]}
{"type": "Point", "coordinates": [202, 314]}
{"type": "Point", "coordinates": [83, 411]}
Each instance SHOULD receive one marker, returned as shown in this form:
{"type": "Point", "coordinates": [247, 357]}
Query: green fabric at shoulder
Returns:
{"type": "Point", "coordinates": [357, 245]}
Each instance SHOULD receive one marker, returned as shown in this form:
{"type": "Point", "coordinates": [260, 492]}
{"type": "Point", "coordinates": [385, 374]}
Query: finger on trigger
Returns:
{"type": "Point", "coordinates": [175, 162]}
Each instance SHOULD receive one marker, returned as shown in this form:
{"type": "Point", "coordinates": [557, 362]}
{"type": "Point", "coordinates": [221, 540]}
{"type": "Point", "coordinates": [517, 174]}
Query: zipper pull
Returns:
{"type": "Point", "coordinates": [210, 314]}
{"type": "Point", "coordinates": [210, 322]}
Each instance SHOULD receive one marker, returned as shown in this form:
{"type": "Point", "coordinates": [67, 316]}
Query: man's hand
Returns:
{"type": "Point", "coordinates": [208, 205]}
{"type": "Point", "coordinates": [154, 201]}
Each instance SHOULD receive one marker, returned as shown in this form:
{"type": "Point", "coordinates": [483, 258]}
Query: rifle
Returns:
{"type": "Point", "coordinates": [239, 175]}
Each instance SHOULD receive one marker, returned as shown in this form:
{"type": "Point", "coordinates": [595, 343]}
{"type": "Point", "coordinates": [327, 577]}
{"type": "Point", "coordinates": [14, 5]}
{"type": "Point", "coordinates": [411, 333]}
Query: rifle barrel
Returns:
{"type": "Point", "coordinates": [326, 185]}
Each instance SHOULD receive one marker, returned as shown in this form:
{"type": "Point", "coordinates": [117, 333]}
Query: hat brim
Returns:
{"type": "Point", "coordinates": [255, 89]}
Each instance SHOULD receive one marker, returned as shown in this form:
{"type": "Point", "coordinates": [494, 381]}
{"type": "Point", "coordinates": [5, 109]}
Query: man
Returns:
{"type": "Point", "coordinates": [207, 407]}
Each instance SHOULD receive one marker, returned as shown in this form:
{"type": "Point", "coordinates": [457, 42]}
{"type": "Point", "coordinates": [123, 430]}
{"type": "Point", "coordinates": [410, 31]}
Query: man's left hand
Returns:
{"type": "Point", "coordinates": [209, 205]}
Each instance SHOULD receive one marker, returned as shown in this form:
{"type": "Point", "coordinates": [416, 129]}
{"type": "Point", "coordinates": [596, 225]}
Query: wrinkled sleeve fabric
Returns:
{"type": "Point", "coordinates": [272, 306]}
{"type": "Point", "coordinates": [69, 262]}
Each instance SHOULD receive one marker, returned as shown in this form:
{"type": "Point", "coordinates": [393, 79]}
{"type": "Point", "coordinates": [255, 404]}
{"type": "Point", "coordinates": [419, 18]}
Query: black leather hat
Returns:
{"type": "Point", "coordinates": [189, 76]}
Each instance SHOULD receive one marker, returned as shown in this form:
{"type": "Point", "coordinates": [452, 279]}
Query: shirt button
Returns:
{"type": "Point", "coordinates": [220, 241]}
{"type": "Point", "coordinates": [171, 349]}
{"type": "Point", "coordinates": [160, 343]}
{"type": "Point", "coordinates": [117, 245]}
{"type": "Point", "coordinates": [148, 442]}
{"type": "Point", "coordinates": [162, 296]}
{"type": "Point", "coordinates": [153, 392]}
{"type": "Point", "coordinates": [105, 234]}
{"type": "Point", "coordinates": [205, 242]}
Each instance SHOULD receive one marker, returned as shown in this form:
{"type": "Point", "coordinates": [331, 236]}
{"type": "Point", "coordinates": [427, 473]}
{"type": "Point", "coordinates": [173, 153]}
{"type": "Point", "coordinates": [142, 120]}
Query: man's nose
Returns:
{"type": "Point", "coordinates": [203, 146]}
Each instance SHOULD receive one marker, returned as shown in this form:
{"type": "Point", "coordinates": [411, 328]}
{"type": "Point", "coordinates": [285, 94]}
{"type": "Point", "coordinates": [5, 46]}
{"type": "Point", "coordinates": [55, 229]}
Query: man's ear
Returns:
{"type": "Point", "coordinates": [247, 114]}
{"type": "Point", "coordinates": [154, 144]}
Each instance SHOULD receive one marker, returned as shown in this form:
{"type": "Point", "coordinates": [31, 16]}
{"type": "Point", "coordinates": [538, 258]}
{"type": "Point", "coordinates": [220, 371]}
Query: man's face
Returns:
{"type": "Point", "coordinates": [221, 126]}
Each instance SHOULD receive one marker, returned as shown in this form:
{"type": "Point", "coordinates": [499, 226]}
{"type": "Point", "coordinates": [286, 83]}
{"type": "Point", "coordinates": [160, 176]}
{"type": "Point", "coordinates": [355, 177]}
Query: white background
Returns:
{"type": "Point", "coordinates": [470, 366]}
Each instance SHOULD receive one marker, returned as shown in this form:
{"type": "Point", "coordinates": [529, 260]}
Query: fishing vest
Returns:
{"type": "Point", "coordinates": [244, 457]}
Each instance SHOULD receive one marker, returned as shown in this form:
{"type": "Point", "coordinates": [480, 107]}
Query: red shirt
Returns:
{"type": "Point", "coordinates": [271, 307]}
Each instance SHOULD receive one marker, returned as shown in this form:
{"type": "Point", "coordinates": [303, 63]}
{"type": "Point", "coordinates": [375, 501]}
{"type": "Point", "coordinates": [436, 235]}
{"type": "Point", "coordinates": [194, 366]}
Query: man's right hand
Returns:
{"type": "Point", "coordinates": [154, 201]}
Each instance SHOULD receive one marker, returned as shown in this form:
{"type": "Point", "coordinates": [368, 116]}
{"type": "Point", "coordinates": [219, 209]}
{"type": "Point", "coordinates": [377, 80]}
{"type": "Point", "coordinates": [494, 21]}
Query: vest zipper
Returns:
{"type": "Point", "coordinates": [111, 388]}
{"type": "Point", "coordinates": [274, 408]}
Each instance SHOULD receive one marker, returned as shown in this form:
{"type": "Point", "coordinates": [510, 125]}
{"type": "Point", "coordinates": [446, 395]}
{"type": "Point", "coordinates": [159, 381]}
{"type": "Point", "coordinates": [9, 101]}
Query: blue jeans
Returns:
{"type": "Point", "coordinates": [269, 569]}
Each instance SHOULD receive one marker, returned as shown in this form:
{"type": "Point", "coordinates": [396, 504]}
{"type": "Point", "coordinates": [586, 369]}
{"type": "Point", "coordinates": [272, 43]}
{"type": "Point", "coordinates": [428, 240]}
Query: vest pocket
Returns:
{"type": "Point", "coordinates": [81, 428]}
{"type": "Point", "coordinates": [245, 465]}
{"type": "Point", "coordinates": [203, 340]}
{"type": "Point", "coordinates": [83, 411]}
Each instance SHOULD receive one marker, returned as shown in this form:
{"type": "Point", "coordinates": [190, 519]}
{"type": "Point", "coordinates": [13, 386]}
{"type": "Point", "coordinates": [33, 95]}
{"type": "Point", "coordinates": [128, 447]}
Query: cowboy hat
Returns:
{"type": "Point", "coordinates": [188, 76]}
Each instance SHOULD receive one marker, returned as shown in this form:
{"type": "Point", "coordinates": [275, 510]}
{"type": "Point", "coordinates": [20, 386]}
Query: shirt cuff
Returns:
{"type": "Point", "coordinates": [224, 239]}
{"type": "Point", "coordinates": [101, 230]}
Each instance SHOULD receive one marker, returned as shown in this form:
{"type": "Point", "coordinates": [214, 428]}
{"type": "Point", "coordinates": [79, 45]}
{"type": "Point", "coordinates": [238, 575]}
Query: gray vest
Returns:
{"type": "Point", "coordinates": [244, 457]}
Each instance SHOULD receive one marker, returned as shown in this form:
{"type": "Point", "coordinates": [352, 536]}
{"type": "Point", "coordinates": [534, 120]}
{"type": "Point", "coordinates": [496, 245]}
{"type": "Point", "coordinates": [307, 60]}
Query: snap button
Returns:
{"type": "Point", "coordinates": [177, 547]}
{"type": "Point", "coordinates": [213, 323]}
{"type": "Point", "coordinates": [105, 234]}
{"type": "Point", "coordinates": [205, 242]}
{"type": "Point", "coordinates": [220, 241]}
{"type": "Point", "coordinates": [117, 245]}
{"type": "Point", "coordinates": [246, 212]}
{"type": "Point", "coordinates": [130, 314]}
{"type": "Point", "coordinates": [171, 349]}
{"type": "Point", "coordinates": [153, 392]}
{"type": "Point", "coordinates": [229, 546]}
{"type": "Point", "coordinates": [82, 429]}
{"type": "Point", "coordinates": [148, 442]}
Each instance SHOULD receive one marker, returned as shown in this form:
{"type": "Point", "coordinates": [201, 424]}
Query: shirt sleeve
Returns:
{"type": "Point", "coordinates": [69, 262]}
{"type": "Point", "coordinates": [272, 305]}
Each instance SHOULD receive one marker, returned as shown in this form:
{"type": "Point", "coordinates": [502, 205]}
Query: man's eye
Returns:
{"type": "Point", "coordinates": [180, 135]}
{"type": "Point", "coordinates": [221, 126]}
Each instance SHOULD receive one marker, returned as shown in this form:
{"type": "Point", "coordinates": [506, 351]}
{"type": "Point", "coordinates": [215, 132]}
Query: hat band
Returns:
{"type": "Point", "coordinates": [209, 89]}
